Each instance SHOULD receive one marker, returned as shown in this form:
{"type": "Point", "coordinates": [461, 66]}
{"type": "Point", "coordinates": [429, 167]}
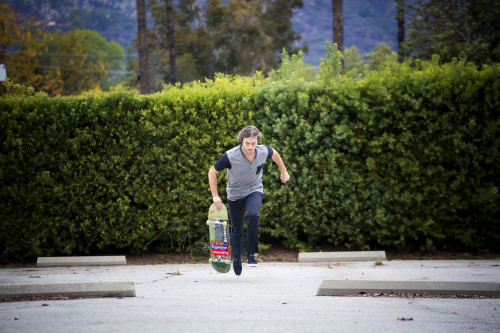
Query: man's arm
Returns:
{"type": "Point", "coordinates": [284, 173]}
{"type": "Point", "coordinates": [212, 180]}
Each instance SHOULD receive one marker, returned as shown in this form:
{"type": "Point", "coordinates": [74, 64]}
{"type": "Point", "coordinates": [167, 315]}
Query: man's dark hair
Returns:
{"type": "Point", "coordinates": [248, 132]}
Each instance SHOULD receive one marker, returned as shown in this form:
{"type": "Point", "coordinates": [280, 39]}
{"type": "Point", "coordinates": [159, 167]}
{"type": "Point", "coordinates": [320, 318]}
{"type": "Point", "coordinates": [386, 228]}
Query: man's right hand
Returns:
{"type": "Point", "coordinates": [217, 202]}
{"type": "Point", "coordinates": [212, 179]}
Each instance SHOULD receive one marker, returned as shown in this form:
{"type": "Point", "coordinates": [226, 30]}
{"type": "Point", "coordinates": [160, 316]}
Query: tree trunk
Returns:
{"type": "Point", "coordinates": [171, 41]}
{"type": "Point", "coordinates": [401, 28]}
{"type": "Point", "coordinates": [143, 47]}
{"type": "Point", "coordinates": [338, 27]}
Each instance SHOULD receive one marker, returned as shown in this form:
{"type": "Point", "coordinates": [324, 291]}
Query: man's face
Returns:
{"type": "Point", "coordinates": [249, 144]}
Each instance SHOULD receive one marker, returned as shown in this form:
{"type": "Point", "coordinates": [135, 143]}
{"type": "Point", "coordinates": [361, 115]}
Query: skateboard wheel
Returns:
{"type": "Point", "coordinates": [208, 222]}
{"type": "Point", "coordinates": [210, 260]}
{"type": "Point", "coordinates": [225, 223]}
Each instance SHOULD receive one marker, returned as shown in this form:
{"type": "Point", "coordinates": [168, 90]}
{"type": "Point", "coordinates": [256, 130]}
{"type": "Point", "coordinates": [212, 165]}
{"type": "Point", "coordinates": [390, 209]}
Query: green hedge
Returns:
{"type": "Point", "coordinates": [83, 175]}
{"type": "Point", "coordinates": [406, 158]}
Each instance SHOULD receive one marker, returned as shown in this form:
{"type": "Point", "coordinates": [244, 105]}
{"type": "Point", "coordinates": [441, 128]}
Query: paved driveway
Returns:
{"type": "Point", "coordinates": [275, 297]}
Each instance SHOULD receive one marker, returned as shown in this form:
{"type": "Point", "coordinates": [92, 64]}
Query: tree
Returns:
{"type": "Point", "coordinates": [380, 55]}
{"type": "Point", "coordinates": [233, 37]}
{"type": "Point", "coordinates": [20, 43]}
{"type": "Point", "coordinates": [80, 60]}
{"type": "Point", "coordinates": [358, 65]}
{"type": "Point", "coordinates": [355, 63]}
{"type": "Point", "coordinates": [338, 27]}
{"type": "Point", "coordinates": [456, 28]}
{"type": "Point", "coordinates": [277, 16]}
{"type": "Point", "coordinates": [59, 64]}
{"type": "Point", "coordinates": [192, 43]}
{"type": "Point", "coordinates": [171, 41]}
{"type": "Point", "coordinates": [109, 53]}
{"type": "Point", "coordinates": [243, 45]}
{"type": "Point", "coordinates": [142, 42]}
{"type": "Point", "coordinates": [401, 27]}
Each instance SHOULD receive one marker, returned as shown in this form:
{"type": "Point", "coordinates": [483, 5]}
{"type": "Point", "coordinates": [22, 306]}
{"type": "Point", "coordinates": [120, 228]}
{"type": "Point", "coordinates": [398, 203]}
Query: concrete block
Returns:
{"type": "Point", "coordinates": [349, 287]}
{"type": "Point", "coordinates": [103, 289]}
{"type": "Point", "coordinates": [81, 261]}
{"type": "Point", "coordinates": [341, 256]}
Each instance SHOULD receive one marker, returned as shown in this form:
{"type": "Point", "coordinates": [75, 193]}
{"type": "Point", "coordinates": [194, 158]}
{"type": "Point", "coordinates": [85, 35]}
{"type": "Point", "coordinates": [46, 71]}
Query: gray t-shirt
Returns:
{"type": "Point", "coordinates": [243, 177]}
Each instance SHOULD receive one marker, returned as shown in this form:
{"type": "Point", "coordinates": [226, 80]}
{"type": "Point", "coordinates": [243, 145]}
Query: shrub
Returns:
{"type": "Point", "coordinates": [405, 158]}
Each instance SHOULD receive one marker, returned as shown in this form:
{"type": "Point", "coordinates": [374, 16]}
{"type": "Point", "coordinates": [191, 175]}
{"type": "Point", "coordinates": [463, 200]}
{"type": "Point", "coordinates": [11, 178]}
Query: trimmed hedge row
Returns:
{"type": "Point", "coordinates": [96, 174]}
{"type": "Point", "coordinates": [405, 158]}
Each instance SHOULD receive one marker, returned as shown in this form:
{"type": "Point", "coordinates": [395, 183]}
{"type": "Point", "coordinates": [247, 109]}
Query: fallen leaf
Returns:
{"type": "Point", "coordinates": [175, 273]}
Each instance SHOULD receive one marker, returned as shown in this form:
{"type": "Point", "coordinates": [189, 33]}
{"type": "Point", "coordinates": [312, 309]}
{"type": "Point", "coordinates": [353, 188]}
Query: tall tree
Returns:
{"type": "Point", "coordinates": [359, 65]}
{"type": "Point", "coordinates": [82, 60]}
{"type": "Point", "coordinates": [142, 42]}
{"type": "Point", "coordinates": [20, 45]}
{"type": "Point", "coordinates": [171, 41]}
{"type": "Point", "coordinates": [233, 37]}
{"type": "Point", "coordinates": [355, 63]}
{"type": "Point", "coordinates": [338, 27]}
{"type": "Point", "coordinates": [277, 16]}
{"type": "Point", "coordinates": [248, 35]}
{"type": "Point", "coordinates": [59, 64]}
{"type": "Point", "coordinates": [193, 55]}
{"type": "Point", "coordinates": [401, 28]}
{"type": "Point", "coordinates": [455, 28]}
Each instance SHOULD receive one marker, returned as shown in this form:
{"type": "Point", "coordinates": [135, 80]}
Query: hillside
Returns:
{"type": "Point", "coordinates": [366, 23]}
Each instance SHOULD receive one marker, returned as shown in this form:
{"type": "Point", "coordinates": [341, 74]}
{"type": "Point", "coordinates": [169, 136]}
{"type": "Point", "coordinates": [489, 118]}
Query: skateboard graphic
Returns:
{"type": "Point", "coordinates": [220, 244]}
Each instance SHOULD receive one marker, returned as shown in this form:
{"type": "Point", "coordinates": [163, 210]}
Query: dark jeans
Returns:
{"type": "Point", "coordinates": [249, 205]}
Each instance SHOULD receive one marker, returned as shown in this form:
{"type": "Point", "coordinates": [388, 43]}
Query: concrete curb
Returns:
{"type": "Point", "coordinates": [341, 256]}
{"type": "Point", "coordinates": [349, 287]}
{"type": "Point", "coordinates": [104, 289]}
{"type": "Point", "coordinates": [81, 261]}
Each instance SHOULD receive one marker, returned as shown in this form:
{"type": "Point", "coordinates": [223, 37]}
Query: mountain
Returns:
{"type": "Point", "coordinates": [366, 23]}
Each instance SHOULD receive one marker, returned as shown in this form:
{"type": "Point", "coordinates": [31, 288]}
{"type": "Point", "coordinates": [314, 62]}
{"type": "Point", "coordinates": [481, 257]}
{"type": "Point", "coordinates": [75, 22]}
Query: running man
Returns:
{"type": "Point", "coordinates": [244, 164]}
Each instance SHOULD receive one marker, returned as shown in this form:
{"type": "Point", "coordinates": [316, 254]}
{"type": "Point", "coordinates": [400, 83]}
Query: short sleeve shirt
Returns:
{"type": "Point", "coordinates": [243, 177]}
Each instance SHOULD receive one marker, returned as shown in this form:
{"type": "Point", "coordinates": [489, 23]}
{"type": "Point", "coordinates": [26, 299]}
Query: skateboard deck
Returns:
{"type": "Point", "coordinates": [220, 239]}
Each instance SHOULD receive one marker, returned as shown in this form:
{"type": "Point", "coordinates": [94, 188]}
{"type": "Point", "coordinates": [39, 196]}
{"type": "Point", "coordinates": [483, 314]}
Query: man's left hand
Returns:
{"type": "Point", "coordinates": [285, 177]}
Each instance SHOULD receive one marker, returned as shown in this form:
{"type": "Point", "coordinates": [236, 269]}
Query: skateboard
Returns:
{"type": "Point", "coordinates": [220, 239]}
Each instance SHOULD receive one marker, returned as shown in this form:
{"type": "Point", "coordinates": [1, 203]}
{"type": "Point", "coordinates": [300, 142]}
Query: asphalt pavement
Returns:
{"type": "Point", "coordinates": [274, 297]}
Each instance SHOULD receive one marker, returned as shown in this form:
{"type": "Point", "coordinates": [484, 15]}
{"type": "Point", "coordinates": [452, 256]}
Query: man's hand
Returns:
{"type": "Point", "coordinates": [284, 174]}
{"type": "Point", "coordinates": [212, 179]}
{"type": "Point", "coordinates": [217, 202]}
{"type": "Point", "coordinates": [285, 177]}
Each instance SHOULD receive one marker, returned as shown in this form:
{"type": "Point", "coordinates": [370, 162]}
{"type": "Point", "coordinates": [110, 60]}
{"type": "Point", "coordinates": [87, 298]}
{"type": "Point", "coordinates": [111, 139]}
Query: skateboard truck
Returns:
{"type": "Point", "coordinates": [217, 221]}
{"type": "Point", "coordinates": [218, 259]}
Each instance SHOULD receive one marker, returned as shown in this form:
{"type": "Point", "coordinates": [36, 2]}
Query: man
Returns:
{"type": "Point", "coordinates": [245, 190]}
